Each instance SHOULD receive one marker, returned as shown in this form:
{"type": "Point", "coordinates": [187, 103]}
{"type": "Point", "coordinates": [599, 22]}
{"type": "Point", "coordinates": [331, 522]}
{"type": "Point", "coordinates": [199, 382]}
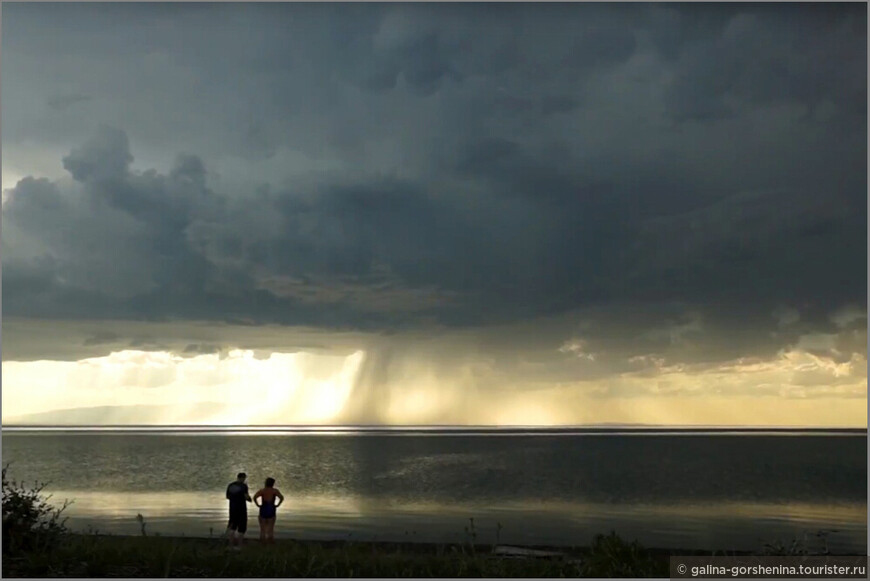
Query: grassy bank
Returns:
{"type": "Point", "coordinates": [75, 555]}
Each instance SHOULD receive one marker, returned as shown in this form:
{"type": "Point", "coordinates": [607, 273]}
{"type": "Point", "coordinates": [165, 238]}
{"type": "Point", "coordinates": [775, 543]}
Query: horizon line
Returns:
{"type": "Point", "coordinates": [412, 427]}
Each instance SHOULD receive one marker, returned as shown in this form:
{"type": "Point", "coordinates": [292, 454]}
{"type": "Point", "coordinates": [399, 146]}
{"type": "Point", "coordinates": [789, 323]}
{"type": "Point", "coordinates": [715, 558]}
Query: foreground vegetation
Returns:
{"type": "Point", "coordinates": [111, 556]}
{"type": "Point", "coordinates": [36, 543]}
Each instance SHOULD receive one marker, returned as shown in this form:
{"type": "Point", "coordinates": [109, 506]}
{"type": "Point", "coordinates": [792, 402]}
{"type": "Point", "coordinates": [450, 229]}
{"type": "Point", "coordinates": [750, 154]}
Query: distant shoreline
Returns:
{"type": "Point", "coordinates": [604, 430]}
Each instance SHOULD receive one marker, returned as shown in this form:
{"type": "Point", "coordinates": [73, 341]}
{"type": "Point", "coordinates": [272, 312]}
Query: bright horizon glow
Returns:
{"type": "Point", "coordinates": [329, 390]}
{"type": "Point", "coordinates": [314, 386]}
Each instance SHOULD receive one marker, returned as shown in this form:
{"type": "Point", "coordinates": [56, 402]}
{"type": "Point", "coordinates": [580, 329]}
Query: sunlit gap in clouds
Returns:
{"type": "Point", "coordinates": [239, 388]}
{"type": "Point", "coordinates": [356, 386]}
{"type": "Point", "coordinates": [282, 388]}
{"type": "Point", "coordinates": [236, 389]}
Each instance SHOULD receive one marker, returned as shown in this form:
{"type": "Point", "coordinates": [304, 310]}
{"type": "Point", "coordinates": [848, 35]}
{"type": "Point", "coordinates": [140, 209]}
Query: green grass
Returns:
{"type": "Point", "coordinates": [117, 556]}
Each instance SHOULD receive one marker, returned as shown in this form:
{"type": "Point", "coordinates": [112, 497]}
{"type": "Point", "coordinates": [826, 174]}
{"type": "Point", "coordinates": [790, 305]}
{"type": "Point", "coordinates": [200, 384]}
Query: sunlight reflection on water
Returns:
{"type": "Point", "coordinates": [688, 525]}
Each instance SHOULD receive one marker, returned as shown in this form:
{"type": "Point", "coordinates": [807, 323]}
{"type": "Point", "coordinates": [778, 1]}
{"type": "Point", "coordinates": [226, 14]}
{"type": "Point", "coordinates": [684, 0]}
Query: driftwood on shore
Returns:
{"type": "Point", "coordinates": [509, 552]}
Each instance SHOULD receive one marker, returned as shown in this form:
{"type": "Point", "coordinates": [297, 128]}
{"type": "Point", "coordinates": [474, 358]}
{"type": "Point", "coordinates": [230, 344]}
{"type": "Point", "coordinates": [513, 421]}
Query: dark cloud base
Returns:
{"type": "Point", "coordinates": [490, 165]}
{"type": "Point", "coordinates": [378, 253]}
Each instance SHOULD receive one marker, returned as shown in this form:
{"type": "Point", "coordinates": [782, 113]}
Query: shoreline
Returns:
{"type": "Point", "coordinates": [425, 547]}
{"type": "Point", "coordinates": [86, 555]}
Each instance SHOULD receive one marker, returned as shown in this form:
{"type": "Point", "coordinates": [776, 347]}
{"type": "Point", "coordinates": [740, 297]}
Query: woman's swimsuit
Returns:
{"type": "Point", "coordinates": [267, 509]}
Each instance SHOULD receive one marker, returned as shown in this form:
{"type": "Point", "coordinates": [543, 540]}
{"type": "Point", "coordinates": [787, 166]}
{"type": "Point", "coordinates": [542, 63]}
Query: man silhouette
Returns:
{"type": "Point", "coordinates": [237, 494]}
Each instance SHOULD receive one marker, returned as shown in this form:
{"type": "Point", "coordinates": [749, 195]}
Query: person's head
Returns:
{"type": "Point", "coordinates": [241, 476]}
{"type": "Point", "coordinates": [270, 482]}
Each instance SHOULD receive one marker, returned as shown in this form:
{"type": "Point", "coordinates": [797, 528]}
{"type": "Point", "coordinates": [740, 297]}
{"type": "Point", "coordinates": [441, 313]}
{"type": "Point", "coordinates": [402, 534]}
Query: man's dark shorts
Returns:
{"type": "Point", "coordinates": [238, 519]}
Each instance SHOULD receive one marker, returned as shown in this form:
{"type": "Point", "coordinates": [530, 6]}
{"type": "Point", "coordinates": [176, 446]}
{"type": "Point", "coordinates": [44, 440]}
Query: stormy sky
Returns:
{"type": "Point", "coordinates": [434, 214]}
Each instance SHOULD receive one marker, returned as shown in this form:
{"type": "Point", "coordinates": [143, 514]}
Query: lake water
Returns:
{"type": "Point", "coordinates": [705, 491]}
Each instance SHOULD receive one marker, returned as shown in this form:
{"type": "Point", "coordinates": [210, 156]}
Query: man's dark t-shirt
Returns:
{"type": "Point", "coordinates": [237, 493]}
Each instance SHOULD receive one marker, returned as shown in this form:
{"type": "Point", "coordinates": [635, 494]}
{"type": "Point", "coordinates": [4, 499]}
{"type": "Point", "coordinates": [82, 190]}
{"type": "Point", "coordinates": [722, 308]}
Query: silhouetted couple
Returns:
{"type": "Point", "coordinates": [237, 494]}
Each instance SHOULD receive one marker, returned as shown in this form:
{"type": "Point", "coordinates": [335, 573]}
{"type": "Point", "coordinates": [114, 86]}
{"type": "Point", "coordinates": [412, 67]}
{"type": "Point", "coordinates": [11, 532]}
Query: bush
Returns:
{"type": "Point", "coordinates": [611, 556]}
{"type": "Point", "coordinates": [29, 521]}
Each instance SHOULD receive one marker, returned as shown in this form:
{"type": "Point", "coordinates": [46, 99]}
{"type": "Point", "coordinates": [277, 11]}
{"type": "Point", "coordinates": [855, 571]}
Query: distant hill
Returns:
{"type": "Point", "coordinates": [119, 415]}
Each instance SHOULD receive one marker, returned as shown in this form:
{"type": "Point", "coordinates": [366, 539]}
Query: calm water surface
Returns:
{"type": "Point", "coordinates": [690, 491]}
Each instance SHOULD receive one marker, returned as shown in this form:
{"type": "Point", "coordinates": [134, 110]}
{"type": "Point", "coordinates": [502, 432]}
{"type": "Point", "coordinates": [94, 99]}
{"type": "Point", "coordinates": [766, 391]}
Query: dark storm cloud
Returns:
{"type": "Point", "coordinates": [763, 55]}
{"type": "Point", "coordinates": [389, 167]}
{"type": "Point", "coordinates": [100, 338]}
{"type": "Point", "coordinates": [61, 102]}
{"type": "Point", "coordinates": [105, 157]}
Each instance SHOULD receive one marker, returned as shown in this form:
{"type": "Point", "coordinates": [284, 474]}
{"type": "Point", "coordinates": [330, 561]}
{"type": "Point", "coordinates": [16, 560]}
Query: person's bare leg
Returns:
{"type": "Point", "coordinates": [263, 530]}
{"type": "Point", "coordinates": [272, 530]}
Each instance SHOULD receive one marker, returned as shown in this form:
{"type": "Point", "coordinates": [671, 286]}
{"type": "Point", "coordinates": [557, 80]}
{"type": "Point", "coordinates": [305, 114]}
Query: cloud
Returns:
{"type": "Point", "coordinates": [849, 316]}
{"type": "Point", "coordinates": [786, 316]}
{"type": "Point", "coordinates": [452, 378]}
{"type": "Point", "coordinates": [752, 56]}
{"type": "Point", "coordinates": [104, 157]}
{"type": "Point", "coordinates": [660, 178]}
{"type": "Point", "coordinates": [100, 338]}
{"type": "Point", "coordinates": [63, 102]}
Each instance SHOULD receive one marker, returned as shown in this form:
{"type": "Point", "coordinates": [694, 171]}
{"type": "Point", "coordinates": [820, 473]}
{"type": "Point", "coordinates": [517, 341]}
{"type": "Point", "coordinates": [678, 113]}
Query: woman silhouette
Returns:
{"type": "Point", "coordinates": [267, 496]}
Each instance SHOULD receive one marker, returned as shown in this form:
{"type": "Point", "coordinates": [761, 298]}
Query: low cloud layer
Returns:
{"type": "Point", "coordinates": [567, 370]}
